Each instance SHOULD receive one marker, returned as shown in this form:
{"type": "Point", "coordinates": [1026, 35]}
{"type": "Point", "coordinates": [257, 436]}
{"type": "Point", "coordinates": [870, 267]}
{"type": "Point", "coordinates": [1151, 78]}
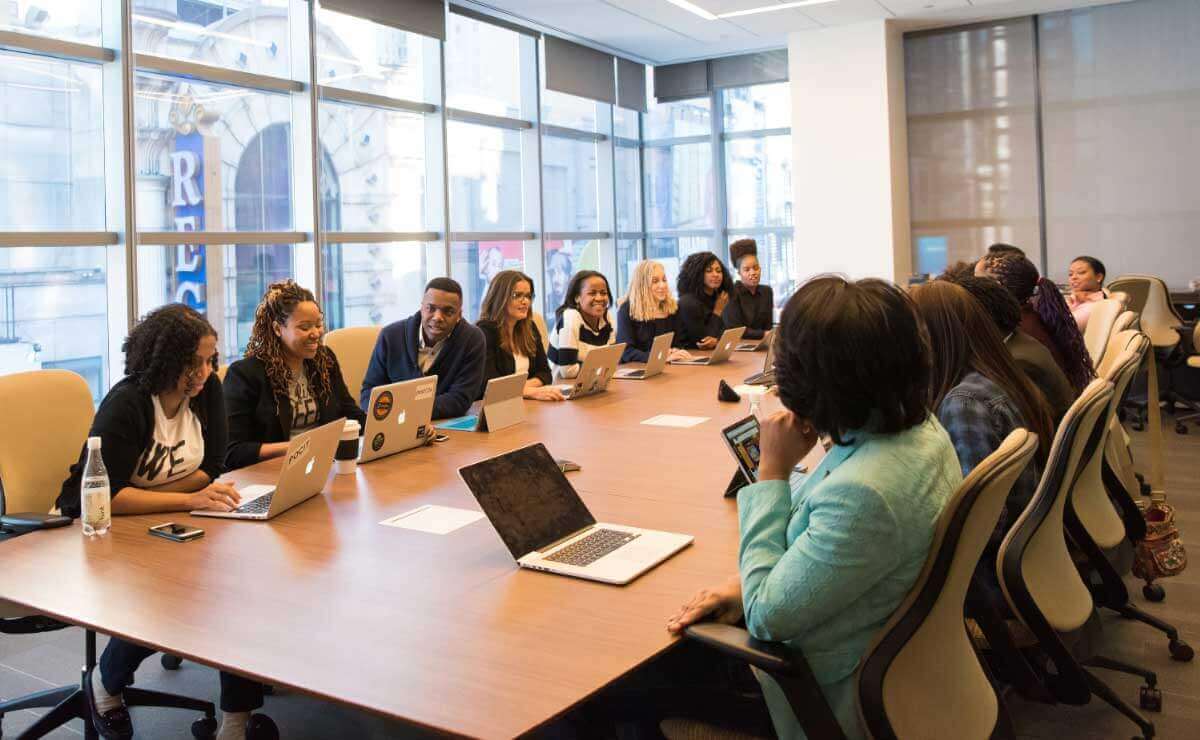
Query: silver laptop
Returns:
{"type": "Point", "coordinates": [767, 376]}
{"type": "Point", "coordinates": [725, 347]}
{"type": "Point", "coordinates": [659, 352]}
{"type": "Point", "coordinates": [546, 526]}
{"type": "Point", "coordinates": [398, 418]}
{"type": "Point", "coordinates": [305, 469]}
{"type": "Point", "coordinates": [598, 368]}
{"type": "Point", "coordinates": [756, 346]}
{"type": "Point", "coordinates": [503, 405]}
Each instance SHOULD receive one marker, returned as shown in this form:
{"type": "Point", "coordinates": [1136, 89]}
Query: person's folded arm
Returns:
{"type": "Point", "coordinates": [464, 387]}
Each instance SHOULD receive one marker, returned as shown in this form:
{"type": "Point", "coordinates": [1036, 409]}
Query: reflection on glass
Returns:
{"type": "Point", "coordinates": [680, 118]}
{"type": "Point", "coordinates": [197, 140]}
{"type": "Point", "coordinates": [247, 35]}
{"type": "Point", "coordinates": [474, 264]}
{"type": "Point", "coordinates": [679, 192]}
{"type": "Point", "coordinates": [54, 312]}
{"type": "Point", "coordinates": [372, 284]}
{"type": "Point", "coordinates": [629, 253]}
{"type": "Point", "coordinates": [570, 187]}
{"type": "Point", "coordinates": [758, 107]}
{"type": "Point", "coordinates": [671, 251]}
{"type": "Point", "coordinates": [564, 259]}
{"type": "Point", "coordinates": [68, 20]}
{"type": "Point", "coordinates": [485, 178]}
{"type": "Point", "coordinates": [625, 123]}
{"type": "Point", "coordinates": [52, 168]}
{"type": "Point", "coordinates": [374, 169]}
{"type": "Point", "coordinates": [569, 111]}
{"type": "Point", "coordinates": [356, 54]}
{"type": "Point", "coordinates": [483, 67]}
{"type": "Point", "coordinates": [628, 172]}
{"type": "Point", "coordinates": [758, 181]}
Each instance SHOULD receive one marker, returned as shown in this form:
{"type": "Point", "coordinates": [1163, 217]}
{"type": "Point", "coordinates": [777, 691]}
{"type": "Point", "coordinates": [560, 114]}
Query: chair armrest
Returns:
{"type": "Point", "coordinates": [31, 521]}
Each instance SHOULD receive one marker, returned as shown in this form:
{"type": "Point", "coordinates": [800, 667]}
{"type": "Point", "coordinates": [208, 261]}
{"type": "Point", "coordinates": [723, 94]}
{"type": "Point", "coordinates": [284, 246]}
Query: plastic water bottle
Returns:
{"type": "Point", "coordinates": [95, 499]}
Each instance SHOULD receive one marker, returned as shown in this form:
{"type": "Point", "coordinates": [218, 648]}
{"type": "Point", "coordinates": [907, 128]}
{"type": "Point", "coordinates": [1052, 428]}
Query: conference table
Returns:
{"type": "Point", "coordinates": [441, 631]}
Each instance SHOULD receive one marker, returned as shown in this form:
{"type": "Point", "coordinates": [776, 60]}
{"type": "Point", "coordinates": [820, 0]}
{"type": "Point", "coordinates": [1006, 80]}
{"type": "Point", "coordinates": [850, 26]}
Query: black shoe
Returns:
{"type": "Point", "coordinates": [114, 724]}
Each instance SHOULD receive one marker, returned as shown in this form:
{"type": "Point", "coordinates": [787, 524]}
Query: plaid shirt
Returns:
{"type": "Point", "coordinates": [978, 416]}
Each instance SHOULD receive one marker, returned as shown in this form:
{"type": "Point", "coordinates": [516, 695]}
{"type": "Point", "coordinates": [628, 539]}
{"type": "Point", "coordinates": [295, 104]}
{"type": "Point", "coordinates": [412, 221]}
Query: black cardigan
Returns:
{"type": "Point", "coordinates": [497, 362]}
{"type": "Point", "coordinates": [257, 416]}
{"type": "Point", "coordinates": [638, 336]}
{"type": "Point", "coordinates": [697, 320]}
{"type": "Point", "coordinates": [755, 311]}
{"type": "Point", "coordinates": [125, 424]}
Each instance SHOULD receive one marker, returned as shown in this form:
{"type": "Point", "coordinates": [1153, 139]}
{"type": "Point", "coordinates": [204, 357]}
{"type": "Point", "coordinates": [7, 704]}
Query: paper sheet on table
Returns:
{"type": "Point", "coordinates": [462, 423]}
{"type": "Point", "coordinates": [434, 519]}
{"type": "Point", "coordinates": [671, 420]}
{"type": "Point", "coordinates": [749, 390]}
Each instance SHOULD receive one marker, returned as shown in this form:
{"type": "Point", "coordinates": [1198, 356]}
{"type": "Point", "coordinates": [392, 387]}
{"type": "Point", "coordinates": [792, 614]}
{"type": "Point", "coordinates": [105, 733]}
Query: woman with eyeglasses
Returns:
{"type": "Point", "coordinates": [514, 344]}
{"type": "Point", "coordinates": [162, 431]}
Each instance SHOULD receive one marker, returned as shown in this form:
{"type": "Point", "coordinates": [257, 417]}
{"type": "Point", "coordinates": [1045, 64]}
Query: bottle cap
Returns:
{"type": "Point", "coordinates": [93, 443]}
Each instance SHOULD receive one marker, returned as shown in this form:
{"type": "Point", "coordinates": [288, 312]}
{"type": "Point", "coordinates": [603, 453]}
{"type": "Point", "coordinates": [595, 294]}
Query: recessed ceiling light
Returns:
{"type": "Point", "coordinates": [706, 15]}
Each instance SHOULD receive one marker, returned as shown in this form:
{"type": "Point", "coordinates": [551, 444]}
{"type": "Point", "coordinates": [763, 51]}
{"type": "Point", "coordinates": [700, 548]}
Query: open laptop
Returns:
{"type": "Point", "coordinates": [725, 346]}
{"type": "Point", "coordinates": [503, 405]}
{"type": "Point", "coordinates": [546, 526]}
{"type": "Point", "coordinates": [398, 417]}
{"type": "Point", "coordinates": [767, 376]}
{"type": "Point", "coordinates": [305, 469]}
{"type": "Point", "coordinates": [659, 352]}
{"type": "Point", "coordinates": [598, 368]}
{"type": "Point", "coordinates": [753, 346]}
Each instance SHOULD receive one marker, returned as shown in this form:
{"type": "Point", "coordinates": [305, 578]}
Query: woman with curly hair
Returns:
{"type": "Point", "coordinates": [704, 288]}
{"type": "Point", "coordinates": [1044, 314]}
{"type": "Point", "coordinates": [513, 342]}
{"type": "Point", "coordinates": [162, 431]}
{"type": "Point", "coordinates": [288, 382]}
{"type": "Point", "coordinates": [751, 304]}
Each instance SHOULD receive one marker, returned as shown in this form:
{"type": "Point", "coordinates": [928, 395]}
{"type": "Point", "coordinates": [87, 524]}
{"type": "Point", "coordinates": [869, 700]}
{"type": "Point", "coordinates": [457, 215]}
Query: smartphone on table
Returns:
{"type": "Point", "coordinates": [176, 532]}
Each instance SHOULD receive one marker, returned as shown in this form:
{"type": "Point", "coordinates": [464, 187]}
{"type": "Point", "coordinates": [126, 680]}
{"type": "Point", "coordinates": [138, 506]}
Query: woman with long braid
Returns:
{"type": "Point", "coordinates": [1045, 315]}
{"type": "Point", "coordinates": [287, 383]}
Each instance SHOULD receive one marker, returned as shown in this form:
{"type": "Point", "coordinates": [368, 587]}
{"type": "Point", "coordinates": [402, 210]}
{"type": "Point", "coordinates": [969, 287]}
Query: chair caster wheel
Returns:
{"type": "Point", "coordinates": [204, 729]}
{"type": "Point", "coordinates": [1181, 651]}
{"type": "Point", "coordinates": [261, 727]}
{"type": "Point", "coordinates": [1181, 429]}
{"type": "Point", "coordinates": [1153, 592]}
{"type": "Point", "coordinates": [1150, 699]}
{"type": "Point", "coordinates": [171, 662]}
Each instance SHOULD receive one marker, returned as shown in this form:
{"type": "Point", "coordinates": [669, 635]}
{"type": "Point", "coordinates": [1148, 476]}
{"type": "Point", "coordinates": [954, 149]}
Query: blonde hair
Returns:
{"type": "Point", "coordinates": [642, 304]}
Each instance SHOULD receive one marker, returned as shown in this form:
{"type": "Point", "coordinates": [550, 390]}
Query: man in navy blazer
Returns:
{"type": "Point", "coordinates": [433, 341]}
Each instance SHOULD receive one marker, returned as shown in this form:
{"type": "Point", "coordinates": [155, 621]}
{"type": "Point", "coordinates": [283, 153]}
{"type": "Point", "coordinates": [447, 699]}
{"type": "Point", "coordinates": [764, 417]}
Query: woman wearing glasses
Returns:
{"type": "Point", "coordinates": [514, 344]}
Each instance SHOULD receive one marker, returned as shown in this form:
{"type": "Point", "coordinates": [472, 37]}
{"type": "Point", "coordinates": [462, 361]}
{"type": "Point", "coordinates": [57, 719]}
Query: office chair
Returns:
{"type": "Point", "coordinates": [1100, 326]}
{"type": "Point", "coordinates": [1041, 584]}
{"type": "Point", "coordinates": [898, 695]}
{"type": "Point", "coordinates": [353, 347]}
{"type": "Point", "coordinates": [34, 461]}
{"type": "Point", "coordinates": [1190, 371]}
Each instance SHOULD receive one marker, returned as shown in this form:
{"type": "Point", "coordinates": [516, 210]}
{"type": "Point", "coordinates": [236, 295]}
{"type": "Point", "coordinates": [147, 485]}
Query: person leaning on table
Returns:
{"type": "Point", "coordinates": [824, 565]}
{"type": "Point", "coordinates": [162, 431]}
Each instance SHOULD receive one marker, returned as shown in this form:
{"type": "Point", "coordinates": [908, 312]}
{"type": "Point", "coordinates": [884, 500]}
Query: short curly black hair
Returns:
{"type": "Point", "coordinates": [997, 302]}
{"type": "Point", "coordinates": [691, 275]}
{"type": "Point", "coordinates": [162, 347]}
{"type": "Point", "coordinates": [853, 354]}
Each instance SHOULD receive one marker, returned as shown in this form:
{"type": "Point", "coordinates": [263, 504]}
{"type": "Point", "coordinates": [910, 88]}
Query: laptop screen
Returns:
{"type": "Point", "coordinates": [527, 498]}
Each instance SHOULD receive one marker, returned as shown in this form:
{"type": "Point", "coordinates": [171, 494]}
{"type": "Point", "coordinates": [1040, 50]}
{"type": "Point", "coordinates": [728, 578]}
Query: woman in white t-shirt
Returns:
{"type": "Point", "coordinates": [582, 323]}
{"type": "Point", "coordinates": [162, 430]}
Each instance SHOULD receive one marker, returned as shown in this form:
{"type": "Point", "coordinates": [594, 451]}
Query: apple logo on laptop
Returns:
{"type": "Point", "coordinates": [308, 468]}
{"type": "Point", "coordinates": [400, 418]}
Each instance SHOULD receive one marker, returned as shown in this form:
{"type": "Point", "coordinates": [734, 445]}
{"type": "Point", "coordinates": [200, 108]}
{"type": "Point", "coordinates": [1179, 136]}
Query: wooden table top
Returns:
{"type": "Point", "coordinates": [444, 632]}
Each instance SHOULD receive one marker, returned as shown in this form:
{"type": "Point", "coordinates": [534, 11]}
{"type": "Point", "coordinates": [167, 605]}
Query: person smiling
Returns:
{"type": "Point", "coordinates": [704, 290]}
{"type": "Point", "coordinates": [1086, 278]}
{"type": "Point", "coordinates": [433, 341]}
{"type": "Point", "coordinates": [514, 344]}
{"type": "Point", "coordinates": [288, 382]}
{"type": "Point", "coordinates": [647, 311]}
{"type": "Point", "coordinates": [582, 322]}
{"type": "Point", "coordinates": [752, 304]}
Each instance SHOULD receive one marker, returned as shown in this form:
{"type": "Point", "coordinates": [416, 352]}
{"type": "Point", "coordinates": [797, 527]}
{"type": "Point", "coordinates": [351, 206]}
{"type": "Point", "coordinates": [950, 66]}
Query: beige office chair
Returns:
{"type": "Point", "coordinates": [540, 323]}
{"type": "Point", "coordinates": [899, 695]}
{"type": "Point", "coordinates": [222, 371]}
{"type": "Point", "coordinates": [353, 347]}
{"type": "Point", "coordinates": [1099, 327]}
{"type": "Point", "coordinates": [1151, 300]}
{"type": "Point", "coordinates": [1193, 361]}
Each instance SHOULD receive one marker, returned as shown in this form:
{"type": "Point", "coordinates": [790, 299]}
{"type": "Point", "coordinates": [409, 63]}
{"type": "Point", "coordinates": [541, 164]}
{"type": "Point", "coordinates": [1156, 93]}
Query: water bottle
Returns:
{"type": "Point", "coordinates": [95, 499]}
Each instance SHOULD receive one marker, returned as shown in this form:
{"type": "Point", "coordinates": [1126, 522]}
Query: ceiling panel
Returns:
{"type": "Point", "coordinates": [673, 17]}
{"type": "Point", "coordinates": [844, 12]}
{"type": "Point", "coordinates": [910, 7]}
{"type": "Point", "coordinates": [774, 26]}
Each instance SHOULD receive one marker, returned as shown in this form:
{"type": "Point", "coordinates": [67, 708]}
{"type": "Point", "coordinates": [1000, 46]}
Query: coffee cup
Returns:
{"type": "Point", "coordinates": [345, 460]}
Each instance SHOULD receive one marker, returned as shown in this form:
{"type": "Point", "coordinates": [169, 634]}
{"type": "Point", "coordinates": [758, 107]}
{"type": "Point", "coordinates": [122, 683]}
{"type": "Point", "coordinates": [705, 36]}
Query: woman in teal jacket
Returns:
{"type": "Point", "coordinates": [824, 565]}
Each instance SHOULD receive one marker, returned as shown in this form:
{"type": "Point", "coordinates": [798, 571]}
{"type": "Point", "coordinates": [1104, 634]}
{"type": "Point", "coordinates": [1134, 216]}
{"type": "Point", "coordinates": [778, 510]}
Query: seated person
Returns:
{"type": "Point", "coordinates": [1086, 278]}
{"type": "Point", "coordinates": [581, 323]}
{"type": "Point", "coordinates": [288, 382]}
{"type": "Point", "coordinates": [162, 432]}
{"type": "Point", "coordinates": [647, 310]}
{"type": "Point", "coordinates": [704, 289]}
{"type": "Point", "coordinates": [824, 565]}
{"type": "Point", "coordinates": [752, 305]}
{"type": "Point", "coordinates": [1028, 354]}
{"type": "Point", "coordinates": [433, 341]}
{"type": "Point", "coordinates": [978, 393]}
{"type": "Point", "coordinates": [513, 342]}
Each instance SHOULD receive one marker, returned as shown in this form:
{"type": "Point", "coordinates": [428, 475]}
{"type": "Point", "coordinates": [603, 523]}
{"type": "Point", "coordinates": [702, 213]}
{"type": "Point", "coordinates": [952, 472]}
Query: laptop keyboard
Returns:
{"type": "Point", "coordinates": [593, 547]}
{"type": "Point", "coordinates": [257, 506]}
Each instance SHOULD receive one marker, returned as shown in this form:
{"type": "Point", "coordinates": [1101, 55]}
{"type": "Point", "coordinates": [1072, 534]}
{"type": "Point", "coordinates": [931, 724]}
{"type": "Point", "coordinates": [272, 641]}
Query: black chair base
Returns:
{"type": "Point", "coordinates": [1109, 697]}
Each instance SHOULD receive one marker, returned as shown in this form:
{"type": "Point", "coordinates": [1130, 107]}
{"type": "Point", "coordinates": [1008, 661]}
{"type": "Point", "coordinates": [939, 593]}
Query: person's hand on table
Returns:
{"type": "Point", "coordinates": [722, 603]}
{"type": "Point", "coordinates": [784, 440]}
{"type": "Point", "coordinates": [678, 355]}
{"type": "Point", "coordinates": [707, 343]}
{"type": "Point", "coordinates": [216, 496]}
{"type": "Point", "coordinates": [545, 393]}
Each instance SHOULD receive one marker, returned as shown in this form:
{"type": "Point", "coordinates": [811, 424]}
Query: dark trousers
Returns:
{"type": "Point", "coordinates": [120, 659]}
